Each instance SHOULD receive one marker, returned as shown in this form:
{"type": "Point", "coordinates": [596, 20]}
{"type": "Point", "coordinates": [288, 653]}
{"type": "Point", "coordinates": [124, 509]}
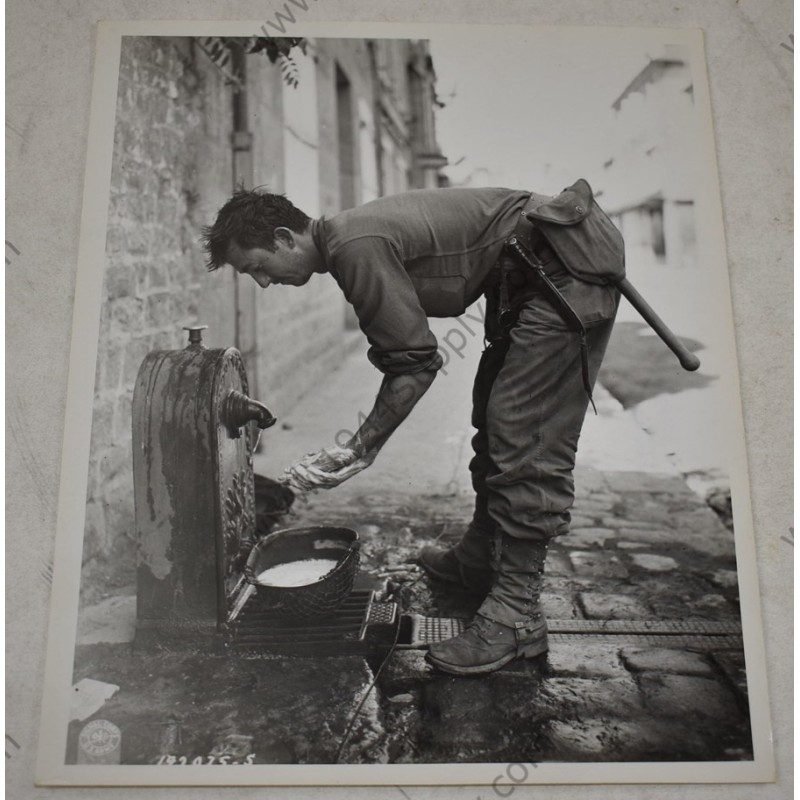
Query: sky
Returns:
{"type": "Point", "coordinates": [533, 105]}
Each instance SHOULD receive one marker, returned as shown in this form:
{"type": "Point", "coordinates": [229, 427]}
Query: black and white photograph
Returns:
{"type": "Point", "coordinates": [406, 417]}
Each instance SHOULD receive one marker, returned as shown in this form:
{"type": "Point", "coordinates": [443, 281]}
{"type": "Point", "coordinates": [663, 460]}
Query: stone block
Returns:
{"type": "Point", "coordinates": [724, 578]}
{"type": "Point", "coordinates": [712, 606]}
{"type": "Point", "coordinates": [625, 523]}
{"type": "Point", "coordinates": [651, 536]}
{"type": "Point", "coordinates": [120, 281]}
{"type": "Point", "coordinates": [102, 425]}
{"type": "Point", "coordinates": [585, 660]}
{"type": "Point", "coordinates": [122, 417]}
{"type": "Point", "coordinates": [578, 740]}
{"type": "Point", "coordinates": [135, 352]}
{"type": "Point", "coordinates": [624, 482]}
{"type": "Point", "coordinates": [120, 519]}
{"type": "Point", "coordinates": [111, 620]}
{"type": "Point", "coordinates": [591, 509]}
{"type": "Point", "coordinates": [159, 311]}
{"type": "Point", "coordinates": [558, 563]}
{"type": "Point", "coordinates": [157, 276]}
{"type": "Point", "coordinates": [404, 671]}
{"type": "Point", "coordinates": [110, 356]}
{"type": "Point", "coordinates": [572, 583]}
{"type": "Point", "coordinates": [631, 545]}
{"type": "Point", "coordinates": [572, 696]}
{"type": "Point", "coordinates": [600, 739]}
{"type": "Point", "coordinates": [115, 461]}
{"type": "Point", "coordinates": [588, 480]}
{"type": "Point", "coordinates": [94, 539]}
{"type": "Point", "coordinates": [459, 712]}
{"type": "Point", "coordinates": [579, 520]}
{"type": "Point", "coordinates": [678, 595]}
{"type": "Point", "coordinates": [559, 606]}
{"type": "Point", "coordinates": [589, 537]}
{"type": "Point", "coordinates": [598, 605]}
{"type": "Point", "coordinates": [665, 659]}
{"type": "Point", "coordinates": [658, 739]}
{"type": "Point", "coordinates": [701, 521]}
{"type": "Point", "coordinates": [712, 540]}
{"type": "Point", "coordinates": [731, 662]}
{"type": "Point", "coordinates": [609, 499]}
{"type": "Point", "coordinates": [654, 563]}
{"type": "Point", "coordinates": [690, 696]}
{"type": "Point", "coordinates": [594, 564]}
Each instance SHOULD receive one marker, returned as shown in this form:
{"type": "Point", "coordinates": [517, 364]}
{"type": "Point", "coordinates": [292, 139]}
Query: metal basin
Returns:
{"type": "Point", "coordinates": [321, 597]}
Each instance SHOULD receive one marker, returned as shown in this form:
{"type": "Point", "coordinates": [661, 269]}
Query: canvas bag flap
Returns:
{"type": "Point", "coordinates": [580, 233]}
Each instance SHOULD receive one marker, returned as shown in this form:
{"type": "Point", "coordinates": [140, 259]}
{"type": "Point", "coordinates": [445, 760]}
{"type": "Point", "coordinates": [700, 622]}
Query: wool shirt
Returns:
{"type": "Point", "coordinates": [404, 258]}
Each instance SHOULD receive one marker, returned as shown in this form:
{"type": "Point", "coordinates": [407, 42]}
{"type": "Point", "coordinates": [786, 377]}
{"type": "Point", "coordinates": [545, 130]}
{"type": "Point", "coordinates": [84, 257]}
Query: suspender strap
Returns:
{"type": "Point", "coordinates": [559, 302]}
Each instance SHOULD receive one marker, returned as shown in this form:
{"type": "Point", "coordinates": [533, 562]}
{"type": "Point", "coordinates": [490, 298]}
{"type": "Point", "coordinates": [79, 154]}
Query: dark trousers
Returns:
{"type": "Point", "coordinates": [529, 403]}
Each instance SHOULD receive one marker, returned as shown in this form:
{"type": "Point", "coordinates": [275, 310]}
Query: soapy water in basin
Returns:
{"type": "Point", "coordinates": [297, 573]}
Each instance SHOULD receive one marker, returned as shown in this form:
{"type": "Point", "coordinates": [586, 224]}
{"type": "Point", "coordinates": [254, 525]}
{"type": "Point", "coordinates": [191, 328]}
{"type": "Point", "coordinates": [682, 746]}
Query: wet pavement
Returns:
{"type": "Point", "coordinates": [645, 553]}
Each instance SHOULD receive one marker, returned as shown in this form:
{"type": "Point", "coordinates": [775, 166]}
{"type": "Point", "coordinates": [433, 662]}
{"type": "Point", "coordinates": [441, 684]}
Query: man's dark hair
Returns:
{"type": "Point", "coordinates": [249, 219]}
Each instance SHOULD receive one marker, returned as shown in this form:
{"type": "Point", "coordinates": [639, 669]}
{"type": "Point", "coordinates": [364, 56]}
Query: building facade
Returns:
{"type": "Point", "coordinates": [358, 124]}
{"type": "Point", "coordinates": [649, 178]}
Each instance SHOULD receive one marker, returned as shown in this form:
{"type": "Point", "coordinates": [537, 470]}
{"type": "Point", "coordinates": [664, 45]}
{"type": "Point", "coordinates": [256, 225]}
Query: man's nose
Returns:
{"type": "Point", "coordinates": [262, 280]}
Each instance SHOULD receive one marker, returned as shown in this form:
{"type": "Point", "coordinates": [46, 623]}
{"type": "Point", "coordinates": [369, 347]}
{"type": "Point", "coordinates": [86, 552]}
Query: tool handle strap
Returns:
{"type": "Point", "coordinates": [689, 361]}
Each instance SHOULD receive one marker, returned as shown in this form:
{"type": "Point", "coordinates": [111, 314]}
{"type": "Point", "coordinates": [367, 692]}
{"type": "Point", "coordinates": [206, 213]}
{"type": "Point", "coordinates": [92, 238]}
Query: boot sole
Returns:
{"type": "Point", "coordinates": [531, 650]}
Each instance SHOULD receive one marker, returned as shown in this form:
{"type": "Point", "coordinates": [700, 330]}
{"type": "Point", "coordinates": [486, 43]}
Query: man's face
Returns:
{"type": "Point", "coordinates": [286, 265]}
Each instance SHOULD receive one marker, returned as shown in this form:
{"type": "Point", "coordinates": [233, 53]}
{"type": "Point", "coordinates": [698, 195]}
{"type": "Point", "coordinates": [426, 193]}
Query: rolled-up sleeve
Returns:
{"type": "Point", "coordinates": [376, 283]}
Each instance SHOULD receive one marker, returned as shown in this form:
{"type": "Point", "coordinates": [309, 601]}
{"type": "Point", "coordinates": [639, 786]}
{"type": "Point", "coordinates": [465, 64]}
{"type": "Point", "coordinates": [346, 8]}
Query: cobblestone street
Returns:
{"type": "Point", "coordinates": [643, 548]}
{"type": "Point", "coordinates": [645, 660]}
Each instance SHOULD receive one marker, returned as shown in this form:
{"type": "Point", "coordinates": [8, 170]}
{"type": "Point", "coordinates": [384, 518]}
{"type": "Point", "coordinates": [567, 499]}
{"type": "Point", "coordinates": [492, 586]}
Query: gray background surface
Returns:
{"type": "Point", "coordinates": [50, 52]}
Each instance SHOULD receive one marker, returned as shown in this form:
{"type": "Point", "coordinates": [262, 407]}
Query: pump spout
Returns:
{"type": "Point", "coordinates": [238, 409]}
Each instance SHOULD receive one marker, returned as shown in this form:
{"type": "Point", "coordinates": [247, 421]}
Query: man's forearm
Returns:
{"type": "Point", "coordinates": [397, 396]}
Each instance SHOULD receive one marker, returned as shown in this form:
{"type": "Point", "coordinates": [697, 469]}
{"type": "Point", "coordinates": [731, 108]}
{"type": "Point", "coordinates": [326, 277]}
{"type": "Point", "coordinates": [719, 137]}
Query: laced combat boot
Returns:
{"type": "Point", "coordinates": [510, 623]}
{"type": "Point", "coordinates": [467, 563]}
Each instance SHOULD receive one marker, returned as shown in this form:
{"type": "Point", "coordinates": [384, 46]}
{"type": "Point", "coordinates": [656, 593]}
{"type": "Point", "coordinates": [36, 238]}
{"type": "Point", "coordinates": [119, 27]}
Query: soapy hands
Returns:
{"type": "Point", "coordinates": [325, 469]}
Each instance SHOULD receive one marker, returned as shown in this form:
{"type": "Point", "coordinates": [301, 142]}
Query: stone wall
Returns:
{"type": "Point", "coordinates": [173, 168]}
{"type": "Point", "coordinates": [170, 154]}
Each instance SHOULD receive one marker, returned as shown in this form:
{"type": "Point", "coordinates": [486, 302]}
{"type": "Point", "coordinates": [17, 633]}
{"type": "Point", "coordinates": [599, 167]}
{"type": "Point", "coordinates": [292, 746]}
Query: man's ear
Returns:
{"type": "Point", "coordinates": [285, 236]}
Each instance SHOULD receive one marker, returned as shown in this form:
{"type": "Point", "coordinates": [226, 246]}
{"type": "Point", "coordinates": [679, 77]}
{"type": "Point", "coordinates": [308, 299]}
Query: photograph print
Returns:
{"type": "Point", "coordinates": [413, 429]}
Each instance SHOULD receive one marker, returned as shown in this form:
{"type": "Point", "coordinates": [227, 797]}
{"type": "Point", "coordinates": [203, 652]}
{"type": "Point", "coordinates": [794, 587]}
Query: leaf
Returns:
{"type": "Point", "coordinates": [289, 71]}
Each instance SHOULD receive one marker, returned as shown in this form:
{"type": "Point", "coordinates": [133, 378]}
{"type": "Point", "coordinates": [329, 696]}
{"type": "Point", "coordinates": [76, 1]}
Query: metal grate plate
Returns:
{"type": "Point", "coordinates": [680, 641]}
{"type": "Point", "coordinates": [697, 634]}
{"type": "Point", "coordinates": [425, 631]}
{"type": "Point", "coordinates": [356, 627]}
{"type": "Point", "coordinates": [363, 625]}
{"type": "Point", "coordinates": [668, 627]}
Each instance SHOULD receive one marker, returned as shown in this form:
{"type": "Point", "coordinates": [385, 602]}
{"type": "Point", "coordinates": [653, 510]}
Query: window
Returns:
{"type": "Point", "coordinates": [657, 231]}
{"type": "Point", "coordinates": [346, 140]}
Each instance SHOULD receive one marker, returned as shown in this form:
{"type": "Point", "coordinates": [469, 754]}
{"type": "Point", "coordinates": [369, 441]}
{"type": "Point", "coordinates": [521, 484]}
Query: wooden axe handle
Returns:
{"type": "Point", "coordinates": [689, 361]}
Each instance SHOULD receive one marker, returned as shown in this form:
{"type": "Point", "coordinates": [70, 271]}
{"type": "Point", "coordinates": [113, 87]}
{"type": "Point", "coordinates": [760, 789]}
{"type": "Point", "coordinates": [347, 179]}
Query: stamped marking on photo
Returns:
{"type": "Point", "coordinates": [99, 742]}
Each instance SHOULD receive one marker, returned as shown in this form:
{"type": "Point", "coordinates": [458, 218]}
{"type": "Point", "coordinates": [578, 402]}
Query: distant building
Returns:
{"type": "Point", "coordinates": [649, 177]}
{"type": "Point", "coordinates": [478, 178]}
{"type": "Point", "coordinates": [358, 124]}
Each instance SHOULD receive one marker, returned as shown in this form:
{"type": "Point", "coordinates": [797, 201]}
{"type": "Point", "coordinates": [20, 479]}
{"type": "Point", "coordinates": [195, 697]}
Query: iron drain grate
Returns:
{"type": "Point", "coordinates": [424, 631]}
{"type": "Point", "coordinates": [696, 634]}
{"type": "Point", "coordinates": [363, 625]}
{"type": "Point", "coordinates": [681, 641]}
{"type": "Point", "coordinates": [659, 627]}
{"type": "Point", "coordinates": [359, 626]}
